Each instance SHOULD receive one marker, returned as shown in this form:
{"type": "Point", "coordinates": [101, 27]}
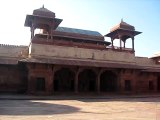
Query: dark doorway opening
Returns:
{"type": "Point", "coordinates": [158, 84]}
{"type": "Point", "coordinates": [128, 86]}
{"type": "Point", "coordinates": [40, 84]}
{"type": "Point", "coordinates": [87, 81]}
{"type": "Point", "coordinates": [108, 82]}
{"type": "Point", "coordinates": [151, 85]}
{"type": "Point", "coordinates": [24, 78]}
{"type": "Point", "coordinates": [64, 80]}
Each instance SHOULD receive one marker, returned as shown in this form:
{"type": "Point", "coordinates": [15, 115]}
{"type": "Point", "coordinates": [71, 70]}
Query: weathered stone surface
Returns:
{"type": "Point", "coordinates": [81, 109]}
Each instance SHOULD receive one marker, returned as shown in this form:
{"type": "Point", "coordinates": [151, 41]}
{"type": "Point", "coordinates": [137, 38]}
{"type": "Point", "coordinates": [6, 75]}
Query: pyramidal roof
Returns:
{"type": "Point", "coordinates": [123, 25]}
{"type": "Point", "coordinates": [44, 12]}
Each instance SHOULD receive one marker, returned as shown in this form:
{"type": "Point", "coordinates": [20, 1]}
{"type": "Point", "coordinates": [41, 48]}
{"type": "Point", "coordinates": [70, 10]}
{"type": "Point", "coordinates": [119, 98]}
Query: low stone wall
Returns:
{"type": "Point", "coordinates": [12, 51]}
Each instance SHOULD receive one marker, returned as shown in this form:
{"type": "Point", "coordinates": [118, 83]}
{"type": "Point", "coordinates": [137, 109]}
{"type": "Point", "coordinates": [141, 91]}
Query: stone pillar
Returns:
{"type": "Point", "coordinates": [124, 44]}
{"type": "Point", "coordinates": [76, 83]}
{"type": "Point", "coordinates": [133, 44]}
{"type": "Point", "coordinates": [120, 43]}
{"type": "Point", "coordinates": [98, 82]}
{"type": "Point", "coordinates": [49, 83]}
{"type": "Point", "coordinates": [31, 80]}
{"type": "Point", "coordinates": [76, 79]}
{"type": "Point", "coordinates": [51, 33]}
{"type": "Point", "coordinates": [112, 43]}
{"type": "Point", "coordinates": [53, 81]}
{"type": "Point", "coordinates": [54, 70]}
{"type": "Point", "coordinates": [134, 86]}
{"type": "Point", "coordinates": [48, 33]}
{"type": "Point", "coordinates": [32, 31]}
{"type": "Point", "coordinates": [121, 82]}
{"type": "Point", "coordinates": [156, 83]}
{"type": "Point", "coordinates": [31, 85]}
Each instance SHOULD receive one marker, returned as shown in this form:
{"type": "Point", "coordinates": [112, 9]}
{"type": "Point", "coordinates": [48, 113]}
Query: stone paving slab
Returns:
{"type": "Point", "coordinates": [147, 108]}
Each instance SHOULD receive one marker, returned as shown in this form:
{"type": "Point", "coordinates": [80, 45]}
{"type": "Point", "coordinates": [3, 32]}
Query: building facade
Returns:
{"type": "Point", "coordinates": [68, 60]}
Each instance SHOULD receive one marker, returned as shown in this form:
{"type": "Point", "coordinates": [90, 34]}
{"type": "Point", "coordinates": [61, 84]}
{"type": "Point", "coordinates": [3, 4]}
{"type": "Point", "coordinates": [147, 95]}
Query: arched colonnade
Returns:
{"type": "Point", "coordinates": [84, 80]}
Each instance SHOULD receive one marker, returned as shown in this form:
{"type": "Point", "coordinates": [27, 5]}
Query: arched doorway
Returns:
{"type": "Point", "coordinates": [108, 81]}
{"type": "Point", "coordinates": [87, 81]}
{"type": "Point", "coordinates": [64, 80]}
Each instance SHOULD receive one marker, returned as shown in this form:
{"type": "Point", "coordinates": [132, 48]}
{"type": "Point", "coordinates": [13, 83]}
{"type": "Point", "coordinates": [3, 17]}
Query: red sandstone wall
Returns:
{"type": "Point", "coordinates": [14, 78]}
{"type": "Point", "coordinates": [11, 78]}
{"type": "Point", "coordinates": [139, 81]}
{"type": "Point", "coordinates": [142, 82]}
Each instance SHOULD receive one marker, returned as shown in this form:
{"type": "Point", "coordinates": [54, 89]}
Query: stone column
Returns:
{"type": "Point", "coordinates": [133, 44]}
{"type": "Point", "coordinates": [29, 89]}
{"type": "Point", "coordinates": [98, 82]}
{"type": "Point", "coordinates": [31, 80]}
{"type": "Point", "coordinates": [112, 43]}
{"type": "Point", "coordinates": [53, 82]}
{"type": "Point", "coordinates": [53, 77]}
{"type": "Point", "coordinates": [76, 82]}
{"type": "Point", "coordinates": [156, 83]}
{"type": "Point", "coordinates": [120, 44]}
{"type": "Point", "coordinates": [31, 85]}
{"type": "Point", "coordinates": [51, 33]}
{"type": "Point", "coordinates": [32, 31]}
{"type": "Point", "coordinates": [49, 83]}
{"type": "Point", "coordinates": [124, 44]}
{"type": "Point", "coordinates": [134, 86]}
{"type": "Point", "coordinates": [120, 82]}
{"type": "Point", "coordinates": [76, 79]}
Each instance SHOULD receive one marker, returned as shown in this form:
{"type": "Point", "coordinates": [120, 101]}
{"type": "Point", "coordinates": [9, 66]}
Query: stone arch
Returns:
{"type": "Point", "coordinates": [108, 81]}
{"type": "Point", "coordinates": [87, 81]}
{"type": "Point", "coordinates": [64, 79]}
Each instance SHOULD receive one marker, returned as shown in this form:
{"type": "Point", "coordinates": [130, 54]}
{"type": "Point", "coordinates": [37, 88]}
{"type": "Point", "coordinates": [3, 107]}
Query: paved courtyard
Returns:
{"type": "Point", "coordinates": [81, 109]}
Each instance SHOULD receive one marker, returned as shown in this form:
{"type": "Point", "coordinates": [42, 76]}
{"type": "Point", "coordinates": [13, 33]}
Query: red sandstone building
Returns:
{"type": "Point", "coordinates": [68, 60]}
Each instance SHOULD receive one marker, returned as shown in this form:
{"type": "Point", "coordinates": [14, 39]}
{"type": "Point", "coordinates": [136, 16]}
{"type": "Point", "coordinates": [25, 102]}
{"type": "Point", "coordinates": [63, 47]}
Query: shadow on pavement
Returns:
{"type": "Point", "coordinates": [27, 107]}
{"type": "Point", "coordinates": [123, 99]}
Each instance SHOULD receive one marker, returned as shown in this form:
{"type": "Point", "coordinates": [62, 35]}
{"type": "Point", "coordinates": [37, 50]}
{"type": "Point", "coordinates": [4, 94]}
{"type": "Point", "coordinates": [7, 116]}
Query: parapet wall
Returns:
{"type": "Point", "coordinates": [79, 53]}
{"type": "Point", "coordinates": [144, 61]}
{"type": "Point", "coordinates": [12, 50]}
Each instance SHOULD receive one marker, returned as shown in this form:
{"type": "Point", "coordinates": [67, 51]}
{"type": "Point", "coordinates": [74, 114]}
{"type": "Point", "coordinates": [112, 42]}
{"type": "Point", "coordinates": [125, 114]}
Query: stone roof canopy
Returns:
{"type": "Point", "coordinates": [43, 12]}
{"type": "Point", "coordinates": [123, 25]}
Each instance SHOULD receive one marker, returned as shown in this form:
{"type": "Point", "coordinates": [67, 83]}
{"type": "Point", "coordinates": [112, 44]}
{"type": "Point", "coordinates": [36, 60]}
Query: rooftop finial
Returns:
{"type": "Point", "coordinates": [43, 6]}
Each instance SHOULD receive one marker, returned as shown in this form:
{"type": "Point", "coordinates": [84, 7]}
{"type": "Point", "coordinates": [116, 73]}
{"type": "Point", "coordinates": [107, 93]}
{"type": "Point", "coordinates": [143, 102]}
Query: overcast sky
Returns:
{"type": "Point", "coordinates": [96, 15]}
